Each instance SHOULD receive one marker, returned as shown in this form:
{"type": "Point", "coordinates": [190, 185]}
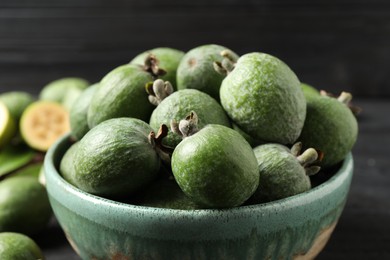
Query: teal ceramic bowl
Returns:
{"type": "Point", "coordinates": [297, 227]}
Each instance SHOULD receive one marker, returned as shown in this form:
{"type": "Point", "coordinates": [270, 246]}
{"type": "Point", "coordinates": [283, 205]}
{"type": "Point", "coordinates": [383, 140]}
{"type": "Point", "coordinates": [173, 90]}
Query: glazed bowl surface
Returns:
{"type": "Point", "coordinates": [297, 227]}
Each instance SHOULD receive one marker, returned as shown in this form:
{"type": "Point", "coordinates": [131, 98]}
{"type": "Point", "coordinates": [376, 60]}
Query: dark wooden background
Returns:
{"type": "Point", "coordinates": [334, 45]}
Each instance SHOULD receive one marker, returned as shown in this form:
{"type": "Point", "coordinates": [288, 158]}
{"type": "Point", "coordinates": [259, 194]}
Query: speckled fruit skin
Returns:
{"type": "Point", "coordinates": [115, 158]}
{"type": "Point", "coordinates": [262, 95]}
{"type": "Point", "coordinates": [57, 90]}
{"type": "Point", "coordinates": [16, 246]}
{"type": "Point", "coordinates": [330, 127]}
{"type": "Point", "coordinates": [121, 94]}
{"type": "Point", "coordinates": [16, 102]}
{"type": "Point", "coordinates": [179, 105]}
{"type": "Point", "coordinates": [309, 90]}
{"type": "Point", "coordinates": [67, 166]}
{"type": "Point", "coordinates": [216, 167]}
{"type": "Point", "coordinates": [281, 173]}
{"type": "Point", "coordinates": [168, 58]}
{"type": "Point", "coordinates": [196, 69]}
{"type": "Point", "coordinates": [78, 114]}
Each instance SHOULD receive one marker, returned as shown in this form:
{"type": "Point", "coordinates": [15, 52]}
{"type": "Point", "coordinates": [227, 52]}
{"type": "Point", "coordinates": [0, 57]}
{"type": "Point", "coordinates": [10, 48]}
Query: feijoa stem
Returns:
{"type": "Point", "coordinates": [227, 64]}
{"type": "Point", "coordinates": [151, 66]}
{"type": "Point", "coordinates": [186, 127]}
{"type": "Point", "coordinates": [309, 157]}
{"type": "Point", "coordinates": [158, 91]}
{"type": "Point", "coordinates": [162, 150]}
{"type": "Point", "coordinates": [345, 98]}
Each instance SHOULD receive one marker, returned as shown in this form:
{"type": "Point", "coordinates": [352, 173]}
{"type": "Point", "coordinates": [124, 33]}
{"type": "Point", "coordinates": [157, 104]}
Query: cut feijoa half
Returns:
{"type": "Point", "coordinates": [42, 123]}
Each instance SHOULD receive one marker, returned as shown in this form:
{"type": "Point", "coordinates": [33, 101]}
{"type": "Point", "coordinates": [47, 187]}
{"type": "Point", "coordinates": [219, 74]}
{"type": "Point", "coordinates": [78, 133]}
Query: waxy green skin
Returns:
{"type": "Point", "coordinates": [281, 173]}
{"type": "Point", "coordinates": [196, 70]}
{"type": "Point", "coordinates": [179, 104]}
{"type": "Point", "coordinates": [309, 90]}
{"type": "Point", "coordinates": [216, 167]}
{"type": "Point", "coordinates": [24, 205]}
{"type": "Point", "coordinates": [262, 95]}
{"type": "Point", "coordinates": [67, 166]}
{"type": "Point", "coordinates": [330, 127]}
{"type": "Point", "coordinates": [16, 102]}
{"type": "Point", "coordinates": [16, 246]}
{"type": "Point", "coordinates": [57, 90]}
{"type": "Point", "coordinates": [78, 114]}
{"type": "Point", "coordinates": [121, 94]}
{"type": "Point", "coordinates": [115, 158]}
{"type": "Point", "coordinates": [168, 58]}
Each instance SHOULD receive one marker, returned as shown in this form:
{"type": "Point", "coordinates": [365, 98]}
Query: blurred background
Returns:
{"type": "Point", "coordinates": [333, 45]}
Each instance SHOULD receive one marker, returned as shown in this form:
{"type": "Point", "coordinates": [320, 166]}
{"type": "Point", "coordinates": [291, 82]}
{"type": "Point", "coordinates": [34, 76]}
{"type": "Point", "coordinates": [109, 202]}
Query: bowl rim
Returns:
{"type": "Point", "coordinates": [344, 172]}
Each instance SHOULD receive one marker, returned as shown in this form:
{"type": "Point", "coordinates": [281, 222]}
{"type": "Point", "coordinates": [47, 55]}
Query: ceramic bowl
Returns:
{"type": "Point", "coordinates": [297, 227]}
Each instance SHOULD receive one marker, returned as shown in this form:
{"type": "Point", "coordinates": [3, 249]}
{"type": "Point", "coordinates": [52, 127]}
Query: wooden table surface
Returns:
{"type": "Point", "coordinates": [363, 231]}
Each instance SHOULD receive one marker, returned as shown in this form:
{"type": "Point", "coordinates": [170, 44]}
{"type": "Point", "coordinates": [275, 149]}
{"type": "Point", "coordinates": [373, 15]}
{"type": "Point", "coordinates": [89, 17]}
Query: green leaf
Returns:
{"type": "Point", "coordinates": [12, 157]}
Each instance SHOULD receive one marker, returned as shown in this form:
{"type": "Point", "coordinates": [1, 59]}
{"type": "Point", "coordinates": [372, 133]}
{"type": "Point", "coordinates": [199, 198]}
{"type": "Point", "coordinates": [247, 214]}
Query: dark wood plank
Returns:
{"type": "Point", "coordinates": [332, 45]}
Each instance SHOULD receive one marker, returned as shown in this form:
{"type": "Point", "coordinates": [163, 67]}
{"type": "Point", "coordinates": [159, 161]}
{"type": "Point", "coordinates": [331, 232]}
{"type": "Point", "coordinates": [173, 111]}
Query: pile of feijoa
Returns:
{"type": "Point", "coordinates": [204, 129]}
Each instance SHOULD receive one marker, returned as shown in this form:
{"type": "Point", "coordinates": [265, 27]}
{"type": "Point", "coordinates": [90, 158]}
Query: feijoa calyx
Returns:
{"type": "Point", "coordinates": [330, 127]}
{"type": "Point", "coordinates": [196, 69]}
{"type": "Point", "coordinates": [168, 59]}
{"type": "Point", "coordinates": [115, 158]}
{"type": "Point", "coordinates": [263, 96]}
{"type": "Point", "coordinates": [283, 172]}
{"type": "Point", "coordinates": [215, 167]}
{"type": "Point", "coordinates": [177, 105]}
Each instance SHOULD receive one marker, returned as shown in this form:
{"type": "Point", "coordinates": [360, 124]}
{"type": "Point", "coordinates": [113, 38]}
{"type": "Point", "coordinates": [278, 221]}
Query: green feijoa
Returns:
{"type": "Point", "coordinates": [309, 90]}
{"type": "Point", "coordinates": [330, 127]}
{"type": "Point", "coordinates": [8, 128]}
{"type": "Point", "coordinates": [78, 114]}
{"type": "Point", "coordinates": [253, 142]}
{"type": "Point", "coordinates": [165, 193]}
{"type": "Point", "coordinates": [58, 90]}
{"type": "Point", "coordinates": [16, 246]}
{"type": "Point", "coordinates": [168, 60]}
{"type": "Point", "coordinates": [121, 94]}
{"type": "Point", "coordinates": [196, 69]}
{"type": "Point", "coordinates": [67, 167]}
{"type": "Point", "coordinates": [216, 167]}
{"type": "Point", "coordinates": [16, 102]}
{"type": "Point", "coordinates": [115, 158]}
{"type": "Point", "coordinates": [24, 205]}
{"type": "Point", "coordinates": [262, 95]}
{"type": "Point", "coordinates": [179, 104]}
{"type": "Point", "coordinates": [283, 172]}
